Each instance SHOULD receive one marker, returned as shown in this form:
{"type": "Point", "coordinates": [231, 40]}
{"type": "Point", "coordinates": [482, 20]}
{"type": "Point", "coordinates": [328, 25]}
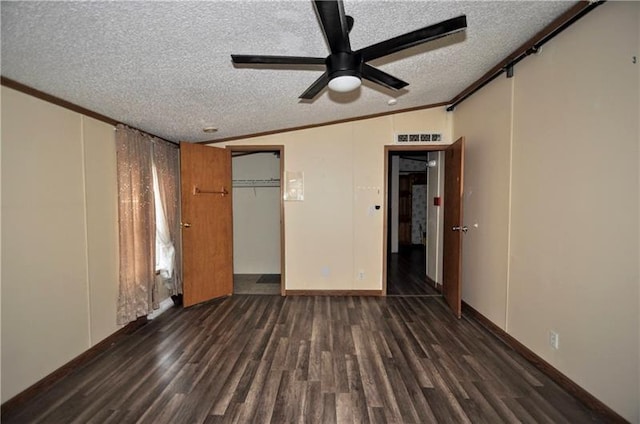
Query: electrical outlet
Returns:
{"type": "Point", "coordinates": [361, 274]}
{"type": "Point", "coordinates": [554, 340]}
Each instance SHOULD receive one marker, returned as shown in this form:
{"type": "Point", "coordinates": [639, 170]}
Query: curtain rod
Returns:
{"type": "Point", "coordinates": [153, 138]}
{"type": "Point", "coordinates": [530, 47]}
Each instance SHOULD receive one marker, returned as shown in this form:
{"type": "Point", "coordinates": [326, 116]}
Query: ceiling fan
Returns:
{"type": "Point", "coordinates": [345, 68]}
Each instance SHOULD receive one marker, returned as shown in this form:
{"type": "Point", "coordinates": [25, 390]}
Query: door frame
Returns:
{"type": "Point", "coordinates": [269, 148]}
{"type": "Point", "coordinates": [388, 149]}
{"type": "Point", "coordinates": [453, 241]}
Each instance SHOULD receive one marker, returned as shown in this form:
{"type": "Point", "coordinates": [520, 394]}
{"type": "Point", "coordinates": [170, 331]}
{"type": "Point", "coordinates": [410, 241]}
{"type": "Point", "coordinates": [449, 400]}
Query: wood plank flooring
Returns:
{"type": "Point", "coordinates": [261, 359]}
{"type": "Point", "coordinates": [406, 273]}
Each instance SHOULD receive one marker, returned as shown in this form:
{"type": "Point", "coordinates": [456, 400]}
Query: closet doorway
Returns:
{"type": "Point", "coordinates": [258, 219]}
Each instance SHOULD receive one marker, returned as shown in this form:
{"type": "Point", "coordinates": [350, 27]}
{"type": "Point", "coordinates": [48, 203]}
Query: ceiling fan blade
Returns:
{"type": "Point", "coordinates": [334, 25]}
{"type": "Point", "coordinates": [316, 87]}
{"type": "Point", "coordinates": [349, 23]}
{"type": "Point", "coordinates": [414, 38]}
{"type": "Point", "coordinates": [382, 78]}
{"type": "Point", "coordinates": [276, 60]}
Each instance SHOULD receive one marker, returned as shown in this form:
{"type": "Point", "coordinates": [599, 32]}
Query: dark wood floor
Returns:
{"type": "Point", "coordinates": [260, 359]}
{"type": "Point", "coordinates": [406, 273]}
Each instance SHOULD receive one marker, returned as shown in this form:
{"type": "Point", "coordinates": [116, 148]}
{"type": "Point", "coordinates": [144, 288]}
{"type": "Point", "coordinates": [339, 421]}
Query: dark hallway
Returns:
{"type": "Point", "coordinates": [406, 273]}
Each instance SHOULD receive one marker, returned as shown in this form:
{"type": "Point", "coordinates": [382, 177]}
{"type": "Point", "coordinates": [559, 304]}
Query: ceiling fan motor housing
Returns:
{"type": "Point", "coordinates": [346, 68]}
{"type": "Point", "coordinates": [341, 64]}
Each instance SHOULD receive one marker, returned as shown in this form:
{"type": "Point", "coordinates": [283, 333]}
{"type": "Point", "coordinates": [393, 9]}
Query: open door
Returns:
{"type": "Point", "coordinates": [207, 238]}
{"type": "Point", "coordinates": [453, 228]}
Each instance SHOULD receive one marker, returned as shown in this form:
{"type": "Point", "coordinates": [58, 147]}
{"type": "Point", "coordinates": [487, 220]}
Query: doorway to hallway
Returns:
{"type": "Point", "coordinates": [447, 242]}
{"type": "Point", "coordinates": [414, 182]}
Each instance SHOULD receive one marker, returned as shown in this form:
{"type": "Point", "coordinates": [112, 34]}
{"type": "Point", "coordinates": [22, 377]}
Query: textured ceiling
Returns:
{"type": "Point", "coordinates": [165, 67]}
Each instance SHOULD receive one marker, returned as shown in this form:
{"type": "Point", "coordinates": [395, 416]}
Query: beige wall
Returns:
{"type": "Point", "coordinates": [335, 232]}
{"type": "Point", "coordinates": [256, 216]}
{"type": "Point", "coordinates": [435, 217]}
{"type": "Point", "coordinates": [485, 121]}
{"type": "Point", "coordinates": [59, 237]}
{"type": "Point", "coordinates": [556, 246]}
{"type": "Point", "coordinates": [102, 226]}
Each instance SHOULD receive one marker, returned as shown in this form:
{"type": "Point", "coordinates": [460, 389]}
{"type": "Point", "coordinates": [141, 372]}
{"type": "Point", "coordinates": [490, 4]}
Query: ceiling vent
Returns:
{"type": "Point", "coordinates": [419, 138]}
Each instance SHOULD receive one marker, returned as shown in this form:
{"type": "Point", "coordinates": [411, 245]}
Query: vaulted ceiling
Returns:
{"type": "Point", "coordinates": [165, 67]}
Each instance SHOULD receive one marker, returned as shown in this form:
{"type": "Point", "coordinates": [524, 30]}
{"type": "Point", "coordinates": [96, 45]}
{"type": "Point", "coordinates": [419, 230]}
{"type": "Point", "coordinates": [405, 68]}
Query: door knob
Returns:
{"type": "Point", "coordinates": [185, 225]}
{"type": "Point", "coordinates": [463, 229]}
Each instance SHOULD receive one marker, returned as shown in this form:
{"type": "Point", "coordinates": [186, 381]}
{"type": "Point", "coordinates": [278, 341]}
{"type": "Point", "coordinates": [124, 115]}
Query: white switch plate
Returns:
{"type": "Point", "coordinates": [554, 340]}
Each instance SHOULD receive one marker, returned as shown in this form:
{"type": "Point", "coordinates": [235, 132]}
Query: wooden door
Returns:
{"type": "Point", "coordinates": [207, 238]}
{"type": "Point", "coordinates": [452, 256]}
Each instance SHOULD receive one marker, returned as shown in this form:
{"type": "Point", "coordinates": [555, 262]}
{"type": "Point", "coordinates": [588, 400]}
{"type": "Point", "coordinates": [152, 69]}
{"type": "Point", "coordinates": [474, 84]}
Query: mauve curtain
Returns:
{"type": "Point", "coordinates": [167, 164]}
{"type": "Point", "coordinates": [137, 295]}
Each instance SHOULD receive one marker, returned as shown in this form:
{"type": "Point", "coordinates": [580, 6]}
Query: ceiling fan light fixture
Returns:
{"type": "Point", "coordinates": [344, 83]}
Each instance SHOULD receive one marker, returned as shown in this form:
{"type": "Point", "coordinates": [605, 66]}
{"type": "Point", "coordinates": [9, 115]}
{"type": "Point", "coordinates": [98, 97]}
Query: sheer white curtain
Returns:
{"type": "Point", "coordinates": [166, 159]}
{"type": "Point", "coordinates": [165, 251]}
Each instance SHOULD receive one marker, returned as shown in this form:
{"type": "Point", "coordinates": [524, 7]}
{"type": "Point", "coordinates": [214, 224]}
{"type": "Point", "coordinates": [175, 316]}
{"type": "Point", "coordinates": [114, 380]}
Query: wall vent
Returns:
{"type": "Point", "coordinates": [419, 138]}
